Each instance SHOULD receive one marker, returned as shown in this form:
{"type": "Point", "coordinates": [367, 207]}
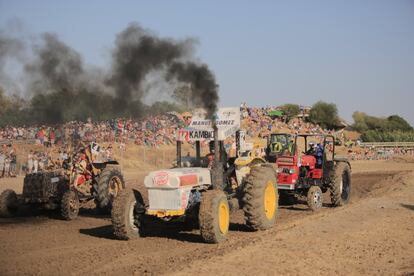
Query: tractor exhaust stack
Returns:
{"type": "Point", "coordinates": [217, 169]}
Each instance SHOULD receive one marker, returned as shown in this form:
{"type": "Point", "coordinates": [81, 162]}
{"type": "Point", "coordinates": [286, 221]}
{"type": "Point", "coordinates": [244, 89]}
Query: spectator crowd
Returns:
{"type": "Point", "coordinates": [151, 131]}
{"type": "Point", "coordinates": [378, 153]}
{"type": "Point", "coordinates": [258, 122]}
{"type": "Point", "coordinates": [8, 161]}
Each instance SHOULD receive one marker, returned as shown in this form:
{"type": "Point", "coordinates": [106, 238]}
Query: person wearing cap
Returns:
{"type": "Point", "coordinates": [312, 148]}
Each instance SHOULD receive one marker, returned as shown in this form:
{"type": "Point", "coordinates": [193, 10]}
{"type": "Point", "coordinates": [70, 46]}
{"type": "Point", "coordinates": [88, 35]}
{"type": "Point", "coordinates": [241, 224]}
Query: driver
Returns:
{"type": "Point", "coordinates": [312, 148]}
{"type": "Point", "coordinates": [209, 158]}
{"type": "Point", "coordinates": [319, 155]}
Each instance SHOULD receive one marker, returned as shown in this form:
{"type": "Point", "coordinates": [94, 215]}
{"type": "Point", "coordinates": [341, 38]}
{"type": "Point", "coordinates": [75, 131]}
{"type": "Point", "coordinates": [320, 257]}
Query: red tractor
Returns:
{"type": "Point", "coordinates": [308, 167]}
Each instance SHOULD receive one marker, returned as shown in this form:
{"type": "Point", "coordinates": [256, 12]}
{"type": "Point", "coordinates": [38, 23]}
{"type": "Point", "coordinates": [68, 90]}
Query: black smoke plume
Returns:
{"type": "Point", "coordinates": [137, 53]}
{"type": "Point", "coordinates": [56, 67]}
{"type": "Point", "coordinates": [61, 88]}
{"type": "Point", "coordinates": [202, 81]}
{"type": "Point", "coordinates": [10, 48]}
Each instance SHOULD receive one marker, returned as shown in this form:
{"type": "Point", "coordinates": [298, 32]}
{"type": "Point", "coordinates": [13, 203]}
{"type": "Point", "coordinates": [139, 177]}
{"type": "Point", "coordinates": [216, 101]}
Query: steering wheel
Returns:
{"type": "Point", "coordinates": [277, 147]}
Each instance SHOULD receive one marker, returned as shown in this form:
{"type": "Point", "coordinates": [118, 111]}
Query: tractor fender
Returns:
{"type": "Point", "coordinates": [249, 161]}
{"type": "Point", "coordinates": [338, 159]}
{"type": "Point", "coordinates": [112, 162]}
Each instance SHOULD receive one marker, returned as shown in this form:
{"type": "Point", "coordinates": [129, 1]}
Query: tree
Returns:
{"type": "Point", "coordinates": [364, 122]}
{"type": "Point", "coordinates": [359, 121]}
{"type": "Point", "coordinates": [324, 114]}
{"type": "Point", "coordinates": [12, 110]}
{"type": "Point", "coordinates": [375, 129]}
{"type": "Point", "coordinates": [290, 111]}
{"type": "Point", "coordinates": [395, 122]}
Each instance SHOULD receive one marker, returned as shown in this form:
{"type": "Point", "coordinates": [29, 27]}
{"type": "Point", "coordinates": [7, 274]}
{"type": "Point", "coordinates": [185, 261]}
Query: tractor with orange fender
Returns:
{"type": "Point", "coordinates": [81, 179]}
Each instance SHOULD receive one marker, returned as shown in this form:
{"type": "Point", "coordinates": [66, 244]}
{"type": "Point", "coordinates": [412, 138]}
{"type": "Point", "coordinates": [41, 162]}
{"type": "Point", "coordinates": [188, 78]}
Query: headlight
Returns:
{"type": "Point", "coordinates": [292, 171]}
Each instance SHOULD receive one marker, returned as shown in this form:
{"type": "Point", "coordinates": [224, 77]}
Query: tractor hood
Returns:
{"type": "Point", "coordinates": [177, 178]}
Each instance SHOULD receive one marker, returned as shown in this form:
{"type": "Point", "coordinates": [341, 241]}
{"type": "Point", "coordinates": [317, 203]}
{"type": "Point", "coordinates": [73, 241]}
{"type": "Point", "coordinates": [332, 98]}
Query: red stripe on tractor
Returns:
{"type": "Point", "coordinates": [187, 180]}
{"type": "Point", "coordinates": [285, 161]}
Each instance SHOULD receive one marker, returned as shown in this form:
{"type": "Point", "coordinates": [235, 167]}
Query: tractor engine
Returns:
{"type": "Point", "coordinates": [308, 161]}
{"type": "Point", "coordinates": [170, 191]}
{"type": "Point", "coordinates": [308, 167]}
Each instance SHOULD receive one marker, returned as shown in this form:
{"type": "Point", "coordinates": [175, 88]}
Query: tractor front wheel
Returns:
{"type": "Point", "coordinates": [69, 206]}
{"type": "Point", "coordinates": [260, 200]}
{"type": "Point", "coordinates": [314, 198]}
{"type": "Point", "coordinates": [214, 216]}
{"type": "Point", "coordinates": [127, 214]}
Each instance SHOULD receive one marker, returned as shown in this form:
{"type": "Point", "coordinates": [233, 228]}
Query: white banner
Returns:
{"type": "Point", "coordinates": [200, 128]}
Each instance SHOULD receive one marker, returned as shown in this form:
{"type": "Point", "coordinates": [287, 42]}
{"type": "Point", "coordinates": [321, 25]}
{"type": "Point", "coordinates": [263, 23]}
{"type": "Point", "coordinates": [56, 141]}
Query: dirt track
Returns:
{"type": "Point", "coordinates": [372, 235]}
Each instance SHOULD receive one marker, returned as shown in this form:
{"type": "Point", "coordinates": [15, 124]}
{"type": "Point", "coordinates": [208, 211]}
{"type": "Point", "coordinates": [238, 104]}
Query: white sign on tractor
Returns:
{"type": "Point", "coordinates": [200, 128]}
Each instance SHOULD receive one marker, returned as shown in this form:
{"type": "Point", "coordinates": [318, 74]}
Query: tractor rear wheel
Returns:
{"type": "Point", "coordinates": [314, 198]}
{"type": "Point", "coordinates": [69, 206]}
{"type": "Point", "coordinates": [8, 203]}
{"type": "Point", "coordinates": [340, 186]}
{"type": "Point", "coordinates": [260, 200]}
{"type": "Point", "coordinates": [127, 214]}
{"type": "Point", "coordinates": [214, 216]}
{"type": "Point", "coordinates": [109, 184]}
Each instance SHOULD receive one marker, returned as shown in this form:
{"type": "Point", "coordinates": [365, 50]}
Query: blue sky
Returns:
{"type": "Point", "coordinates": [357, 54]}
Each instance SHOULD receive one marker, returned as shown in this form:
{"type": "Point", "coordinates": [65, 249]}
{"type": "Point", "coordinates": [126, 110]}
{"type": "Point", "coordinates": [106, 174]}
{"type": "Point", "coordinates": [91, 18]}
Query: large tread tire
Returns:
{"type": "Point", "coordinates": [315, 198]}
{"type": "Point", "coordinates": [109, 184]}
{"type": "Point", "coordinates": [69, 206]}
{"type": "Point", "coordinates": [340, 186]}
{"type": "Point", "coordinates": [260, 210]}
{"type": "Point", "coordinates": [8, 203]}
{"type": "Point", "coordinates": [214, 209]}
{"type": "Point", "coordinates": [128, 225]}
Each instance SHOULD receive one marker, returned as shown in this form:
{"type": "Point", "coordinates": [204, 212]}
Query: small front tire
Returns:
{"type": "Point", "coordinates": [127, 214]}
{"type": "Point", "coordinates": [260, 200]}
{"type": "Point", "coordinates": [214, 216]}
{"type": "Point", "coordinates": [314, 198]}
{"type": "Point", "coordinates": [69, 206]}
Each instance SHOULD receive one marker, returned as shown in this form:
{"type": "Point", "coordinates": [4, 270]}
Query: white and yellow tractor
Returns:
{"type": "Point", "coordinates": [204, 188]}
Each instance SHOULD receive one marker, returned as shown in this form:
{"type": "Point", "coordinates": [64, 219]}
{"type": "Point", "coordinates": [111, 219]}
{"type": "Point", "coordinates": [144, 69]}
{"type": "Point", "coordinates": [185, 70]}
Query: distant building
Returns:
{"type": "Point", "coordinates": [304, 111]}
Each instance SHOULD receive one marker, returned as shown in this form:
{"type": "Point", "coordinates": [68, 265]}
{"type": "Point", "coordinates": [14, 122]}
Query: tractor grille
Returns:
{"type": "Point", "coordinates": [39, 187]}
{"type": "Point", "coordinates": [285, 161]}
{"type": "Point", "coordinates": [167, 199]}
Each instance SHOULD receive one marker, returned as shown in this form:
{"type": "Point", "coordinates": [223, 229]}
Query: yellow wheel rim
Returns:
{"type": "Point", "coordinates": [114, 186]}
{"type": "Point", "coordinates": [270, 200]}
{"type": "Point", "coordinates": [224, 217]}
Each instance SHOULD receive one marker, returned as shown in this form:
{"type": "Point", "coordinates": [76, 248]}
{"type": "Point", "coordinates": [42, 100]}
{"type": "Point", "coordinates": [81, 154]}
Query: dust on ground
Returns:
{"type": "Point", "coordinates": [371, 235]}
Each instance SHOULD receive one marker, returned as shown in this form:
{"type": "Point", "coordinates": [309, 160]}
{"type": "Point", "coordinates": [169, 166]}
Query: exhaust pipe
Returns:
{"type": "Point", "coordinates": [217, 171]}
